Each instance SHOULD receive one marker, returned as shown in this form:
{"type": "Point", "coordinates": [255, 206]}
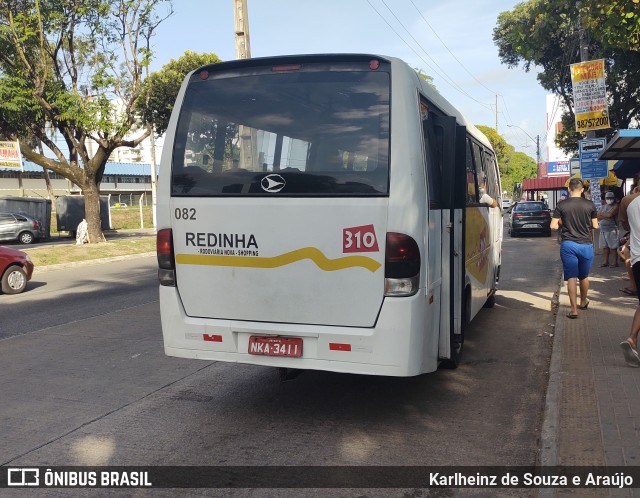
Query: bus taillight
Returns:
{"type": "Point", "coordinates": [401, 266]}
{"type": "Point", "coordinates": [164, 250]}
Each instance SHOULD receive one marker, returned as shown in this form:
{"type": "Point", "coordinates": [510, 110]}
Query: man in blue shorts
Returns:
{"type": "Point", "coordinates": [579, 217]}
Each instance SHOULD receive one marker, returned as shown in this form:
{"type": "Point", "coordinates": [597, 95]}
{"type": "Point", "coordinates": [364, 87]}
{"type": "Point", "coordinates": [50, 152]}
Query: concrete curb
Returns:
{"type": "Point", "coordinates": [63, 266]}
{"type": "Point", "coordinates": [551, 417]}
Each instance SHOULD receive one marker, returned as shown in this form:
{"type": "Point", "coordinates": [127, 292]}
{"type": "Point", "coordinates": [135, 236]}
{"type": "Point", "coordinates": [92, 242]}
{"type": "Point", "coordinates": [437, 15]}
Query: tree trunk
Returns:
{"type": "Point", "coordinates": [47, 180]}
{"type": "Point", "coordinates": [92, 213]}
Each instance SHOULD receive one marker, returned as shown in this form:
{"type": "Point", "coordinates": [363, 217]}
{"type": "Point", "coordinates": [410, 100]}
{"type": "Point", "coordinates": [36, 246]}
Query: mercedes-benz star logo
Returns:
{"type": "Point", "coordinates": [272, 183]}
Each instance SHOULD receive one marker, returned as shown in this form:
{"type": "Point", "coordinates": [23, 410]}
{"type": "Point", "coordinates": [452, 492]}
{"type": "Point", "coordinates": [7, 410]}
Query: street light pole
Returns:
{"type": "Point", "coordinates": [536, 140]}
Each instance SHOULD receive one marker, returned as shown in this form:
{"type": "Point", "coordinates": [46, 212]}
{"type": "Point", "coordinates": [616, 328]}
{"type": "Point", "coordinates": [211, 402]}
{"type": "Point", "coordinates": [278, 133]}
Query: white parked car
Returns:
{"type": "Point", "coordinates": [506, 204]}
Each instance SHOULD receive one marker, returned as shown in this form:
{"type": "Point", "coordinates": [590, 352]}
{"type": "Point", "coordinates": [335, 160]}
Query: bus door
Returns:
{"type": "Point", "coordinates": [451, 148]}
{"type": "Point", "coordinates": [435, 208]}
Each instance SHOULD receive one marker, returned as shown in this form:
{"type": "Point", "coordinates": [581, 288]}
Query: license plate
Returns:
{"type": "Point", "coordinates": [275, 346]}
{"type": "Point", "coordinates": [531, 225]}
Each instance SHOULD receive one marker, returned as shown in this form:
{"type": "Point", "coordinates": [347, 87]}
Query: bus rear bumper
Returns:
{"type": "Point", "coordinates": [386, 349]}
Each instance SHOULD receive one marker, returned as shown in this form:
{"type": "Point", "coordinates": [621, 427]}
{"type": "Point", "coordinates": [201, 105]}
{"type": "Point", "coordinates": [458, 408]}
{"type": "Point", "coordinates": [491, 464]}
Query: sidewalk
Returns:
{"type": "Point", "coordinates": [592, 414]}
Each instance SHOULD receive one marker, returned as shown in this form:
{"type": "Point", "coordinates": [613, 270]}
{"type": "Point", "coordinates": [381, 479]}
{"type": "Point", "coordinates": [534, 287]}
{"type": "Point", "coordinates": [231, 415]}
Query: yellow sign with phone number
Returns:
{"type": "Point", "coordinates": [590, 96]}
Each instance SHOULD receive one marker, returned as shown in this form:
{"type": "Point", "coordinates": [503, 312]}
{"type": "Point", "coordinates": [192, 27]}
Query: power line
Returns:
{"type": "Point", "coordinates": [446, 78]}
{"type": "Point", "coordinates": [566, 72]}
{"type": "Point", "coordinates": [420, 46]}
{"type": "Point", "coordinates": [445, 46]}
{"type": "Point", "coordinates": [506, 109]}
{"type": "Point", "coordinates": [459, 61]}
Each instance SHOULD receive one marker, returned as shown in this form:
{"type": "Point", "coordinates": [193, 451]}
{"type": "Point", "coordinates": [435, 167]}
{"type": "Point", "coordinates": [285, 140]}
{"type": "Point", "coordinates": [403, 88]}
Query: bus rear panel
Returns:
{"type": "Point", "coordinates": [290, 232]}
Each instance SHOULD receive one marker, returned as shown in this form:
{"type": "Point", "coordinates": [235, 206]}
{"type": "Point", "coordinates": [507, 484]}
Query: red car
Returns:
{"type": "Point", "coordinates": [16, 269]}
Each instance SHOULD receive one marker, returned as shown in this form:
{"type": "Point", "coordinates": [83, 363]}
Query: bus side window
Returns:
{"type": "Point", "coordinates": [491, 175]}
{"type": "Point", "coordinates": [472, 189]}
{"type": "Point", "coordinates": [433, 157]}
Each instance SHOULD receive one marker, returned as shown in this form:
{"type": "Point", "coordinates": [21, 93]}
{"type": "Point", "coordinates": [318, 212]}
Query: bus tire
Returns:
{"type": "Point", "coordinates": [491, 300]}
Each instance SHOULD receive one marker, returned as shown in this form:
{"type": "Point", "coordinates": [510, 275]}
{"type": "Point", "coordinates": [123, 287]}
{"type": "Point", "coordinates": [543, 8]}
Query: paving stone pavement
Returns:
{"type": "Point", "coordinates": [592, 416]}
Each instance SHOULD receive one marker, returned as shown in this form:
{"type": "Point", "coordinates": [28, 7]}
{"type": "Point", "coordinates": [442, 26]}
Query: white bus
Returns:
{"type": "Point", "coordinates": [322, 212]}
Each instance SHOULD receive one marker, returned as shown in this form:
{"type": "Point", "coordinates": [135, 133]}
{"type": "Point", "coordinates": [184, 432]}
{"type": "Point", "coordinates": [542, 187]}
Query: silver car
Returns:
{"type": "Point", "coordinates": [20, 227]}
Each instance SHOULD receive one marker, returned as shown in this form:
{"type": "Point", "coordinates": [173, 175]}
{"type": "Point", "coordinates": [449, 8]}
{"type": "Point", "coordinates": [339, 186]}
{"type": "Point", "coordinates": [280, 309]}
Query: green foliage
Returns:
{"type": "Point", "coordinates": [426, 77]}
{"type": "Point", "coordinates": [161, 88]}
{"type": "Point", "coordinates": [514, 166]}
{"type": "Point", "coordinates": [68, 62]}
{"type": "Point", "coordinates": [62, 65]}
{"type": "Point", "coordinates": [519, 168]}
{"type": "Point", "coordinates": [614, 22]}
{"type": "Point", "coordinates": [567, 138]}
{"type": "Point", "coordinates": [545, 34]}
{"type": "Point", "coordinates": [500, 146]}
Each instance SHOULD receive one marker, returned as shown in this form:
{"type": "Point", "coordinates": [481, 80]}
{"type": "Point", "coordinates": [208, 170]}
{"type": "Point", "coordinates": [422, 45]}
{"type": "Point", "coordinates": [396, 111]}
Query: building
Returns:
{"type": "Point", "coordinates": [125, 182]}
{"type": "Point", "coordinates": [555, 109]}
{"type": "Point", "coordinates": [557, 164]}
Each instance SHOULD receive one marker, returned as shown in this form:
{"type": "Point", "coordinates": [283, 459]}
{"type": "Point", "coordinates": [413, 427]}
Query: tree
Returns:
{"type": "Point", "coordinates": [514, 166]}
{"type": "Point", "coordinates": [546, 34]}
{"type": "Point", "coordinates": [500, 146]}
{"type": "Point", "coordinates": [161, 88]}
{"type": "Point", "coordinates": [62, 65]}
{"type": "Point", "coordinates": [519, 168]}
{"type": "Point", "coordinates": [614, 22]}
{"type": "Point", "coordinates": [426, 77]}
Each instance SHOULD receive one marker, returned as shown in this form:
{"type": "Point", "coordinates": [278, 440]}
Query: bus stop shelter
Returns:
{"type": "Point", "coordinates": [624, 145]}
{"type": "Point", "coordinates": [625, 148]}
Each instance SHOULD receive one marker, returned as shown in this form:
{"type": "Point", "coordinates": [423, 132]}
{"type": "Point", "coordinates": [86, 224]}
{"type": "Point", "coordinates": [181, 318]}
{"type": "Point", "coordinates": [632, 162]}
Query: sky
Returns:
{"type": "Point", "coordinates": [450, 40]}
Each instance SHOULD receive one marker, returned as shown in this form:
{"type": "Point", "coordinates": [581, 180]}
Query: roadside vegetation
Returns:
{"type": "Point", "coordinates": [68, 253]}
{"type": "Point", "coordinates": [122, 218]}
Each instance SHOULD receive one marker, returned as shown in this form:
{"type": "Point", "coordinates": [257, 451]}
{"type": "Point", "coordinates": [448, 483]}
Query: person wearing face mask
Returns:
{"type": "Point", "coordinates": [608, 220]}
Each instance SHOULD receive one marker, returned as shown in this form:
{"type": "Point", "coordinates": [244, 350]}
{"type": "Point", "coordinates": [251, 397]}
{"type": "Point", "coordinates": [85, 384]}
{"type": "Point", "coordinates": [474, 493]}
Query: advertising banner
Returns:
{"type": "Point", "coordinates": [589, 95]}
{"type": "Point", "coordinates": [10, 156]}
{"type": "Point", "coordinates": [558, 168]}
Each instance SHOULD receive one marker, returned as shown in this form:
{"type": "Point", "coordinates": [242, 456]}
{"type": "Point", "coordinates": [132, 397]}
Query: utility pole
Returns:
{"type": "Point", "coordinates": [496, 113]}
{"type": "Point", "coordinates": [584, 53]}
{"type": "Point", "coordinates": [241, 23]}
{"type": "Point", "coordinates": [247, 135]}
{"type": "Point", "coordinates": [536, 140]}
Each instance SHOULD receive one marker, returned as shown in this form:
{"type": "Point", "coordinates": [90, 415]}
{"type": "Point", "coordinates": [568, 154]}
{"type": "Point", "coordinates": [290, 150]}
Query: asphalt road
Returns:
{"type": "Point", "coordinates": [85, 382]}
{"type": "Point", "coordinates": [66, 296]}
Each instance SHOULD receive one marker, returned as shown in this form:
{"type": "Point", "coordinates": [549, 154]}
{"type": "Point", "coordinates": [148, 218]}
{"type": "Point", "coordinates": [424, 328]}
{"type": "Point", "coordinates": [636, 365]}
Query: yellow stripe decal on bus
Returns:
{"type": "Point", "coordinates": [311, 253]}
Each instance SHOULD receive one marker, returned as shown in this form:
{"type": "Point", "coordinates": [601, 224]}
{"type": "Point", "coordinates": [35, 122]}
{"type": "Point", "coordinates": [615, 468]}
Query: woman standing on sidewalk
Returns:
{"type": "Point", "coordinates": [630, 219]}
{"type": "Point", "coordinates": [607, 218]}
{"type": "Point", "coordinates": [579, 217]}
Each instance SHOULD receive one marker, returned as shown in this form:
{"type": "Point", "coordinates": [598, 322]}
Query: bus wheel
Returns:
{"type": "Point", "coordinates": [491, 301]}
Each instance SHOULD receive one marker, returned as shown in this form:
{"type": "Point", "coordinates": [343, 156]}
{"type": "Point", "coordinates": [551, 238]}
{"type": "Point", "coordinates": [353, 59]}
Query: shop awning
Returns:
{"type": "Point", "coordinates": [542, 184]}
{"type": "Point", "coordinates": [624, 145]}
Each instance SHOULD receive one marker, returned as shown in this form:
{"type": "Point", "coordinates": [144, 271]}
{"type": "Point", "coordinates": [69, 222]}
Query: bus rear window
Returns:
{"type": "Point", "coordinates": [298, 133]}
